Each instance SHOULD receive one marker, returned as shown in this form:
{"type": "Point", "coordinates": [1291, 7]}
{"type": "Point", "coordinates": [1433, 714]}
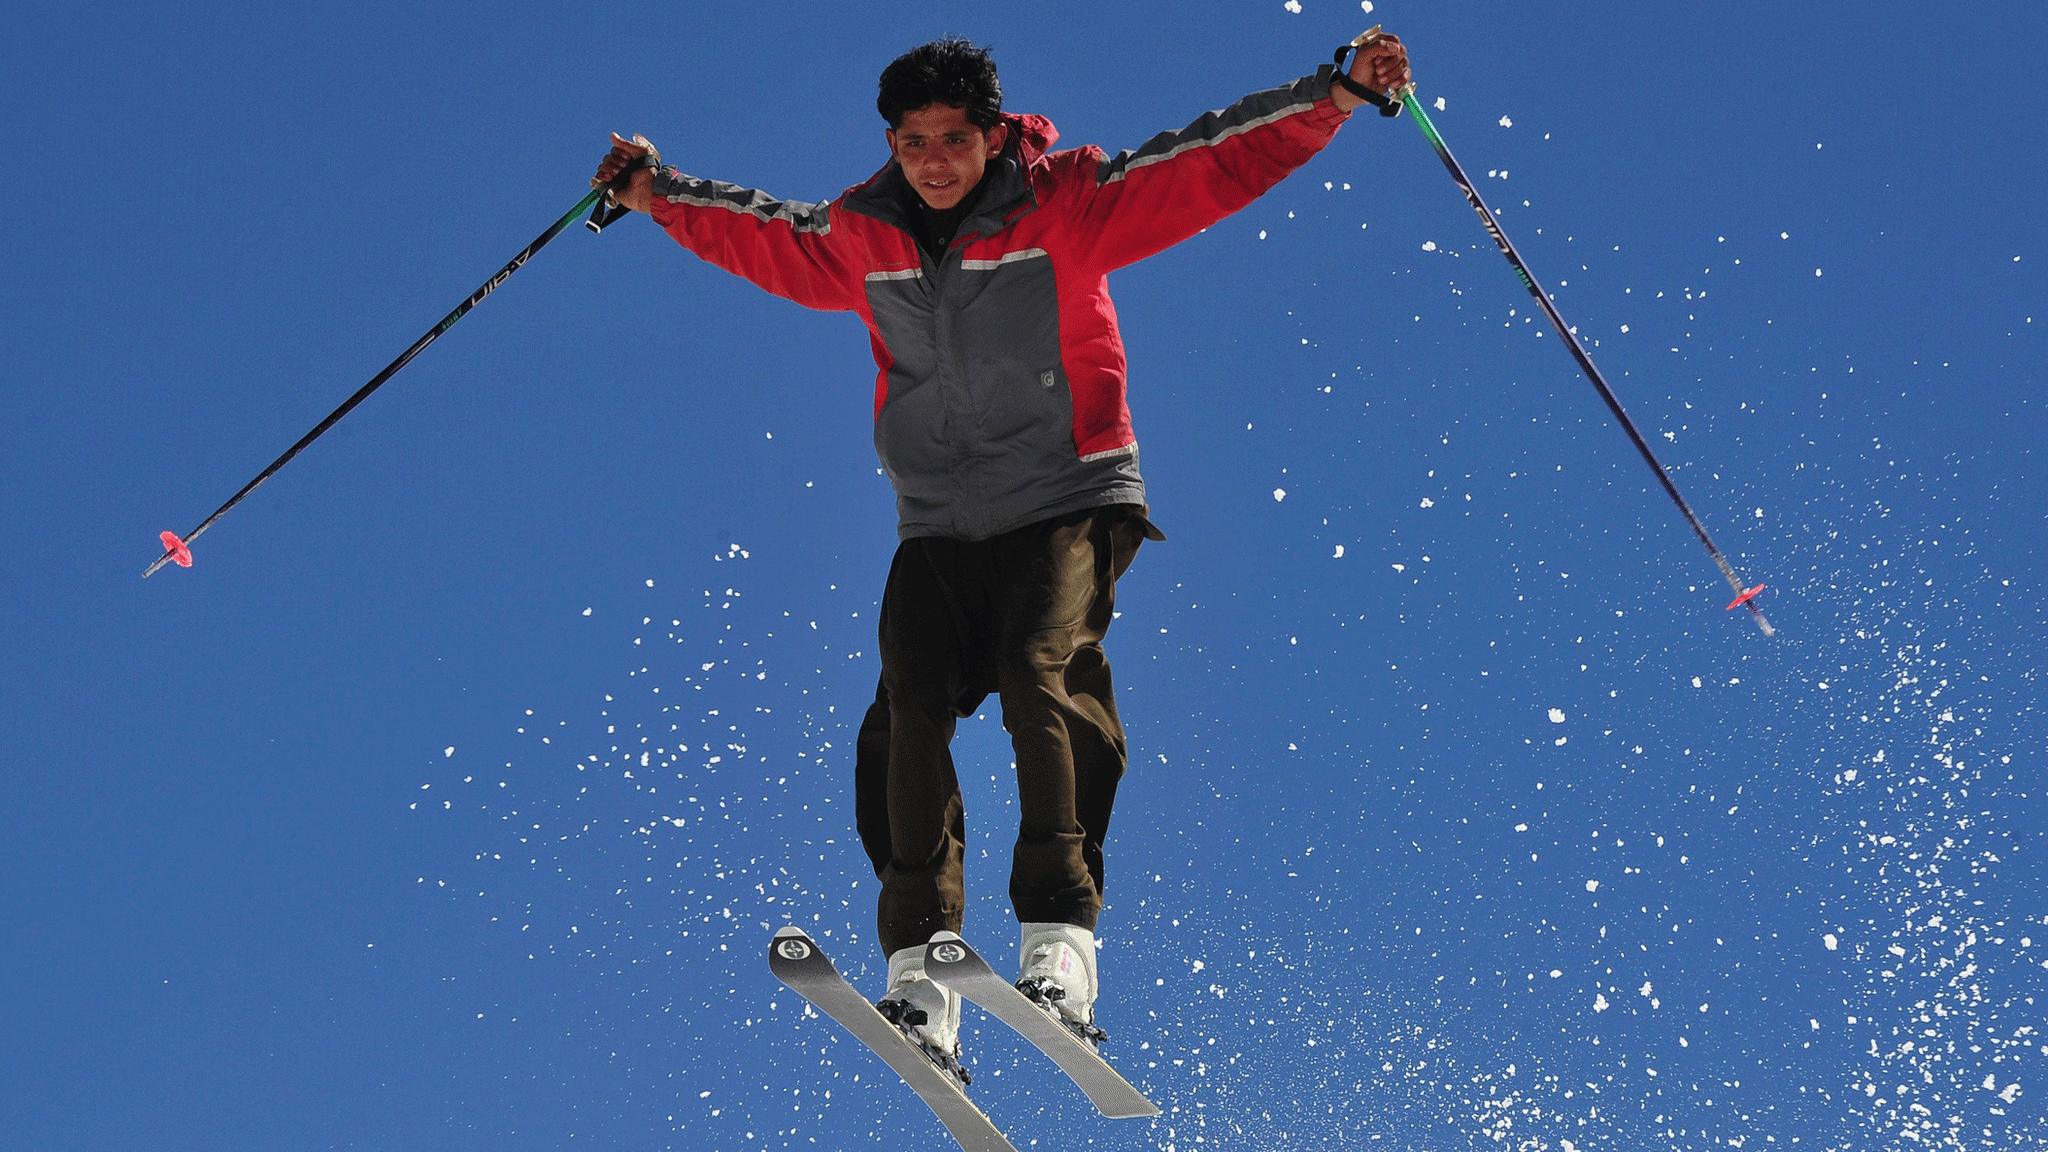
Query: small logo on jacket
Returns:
{"type": "Point", "coordinates": [1047, 379]}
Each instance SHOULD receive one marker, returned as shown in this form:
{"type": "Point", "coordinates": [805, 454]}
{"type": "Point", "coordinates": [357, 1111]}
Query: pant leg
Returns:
{"type": "Point", "coordinates": [871, 781]}
{"type": "Point", "coordinates": [1054, 606]}
{"type": "Point", "coordinates": [908, 802]}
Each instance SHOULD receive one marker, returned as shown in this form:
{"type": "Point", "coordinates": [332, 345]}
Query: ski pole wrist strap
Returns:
{"type": "Point", "coordinates": [1388, 105]}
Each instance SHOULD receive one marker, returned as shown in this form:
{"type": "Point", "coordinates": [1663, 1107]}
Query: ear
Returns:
{"type": "Point", "coordinates": [998, 138]}
{"type": "Point", "coordinates": [889, 134]}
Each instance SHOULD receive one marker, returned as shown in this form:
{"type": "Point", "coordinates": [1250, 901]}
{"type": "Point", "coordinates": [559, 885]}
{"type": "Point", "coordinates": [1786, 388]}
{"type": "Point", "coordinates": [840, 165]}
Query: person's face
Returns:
{"type": "Point", "coordinates": [942, 154]}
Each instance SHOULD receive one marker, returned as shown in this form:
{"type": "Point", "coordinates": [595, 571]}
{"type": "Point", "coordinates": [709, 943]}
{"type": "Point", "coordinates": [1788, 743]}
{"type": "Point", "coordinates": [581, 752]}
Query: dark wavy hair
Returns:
{"type": "Point", "coordinates": [949, 71]}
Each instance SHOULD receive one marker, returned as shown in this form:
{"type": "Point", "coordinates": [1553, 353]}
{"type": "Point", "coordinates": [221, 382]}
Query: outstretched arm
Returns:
{"type": "Point", "coordinates": [1179, 183]}
{"type": "Point", "coordinates": [784, 246]}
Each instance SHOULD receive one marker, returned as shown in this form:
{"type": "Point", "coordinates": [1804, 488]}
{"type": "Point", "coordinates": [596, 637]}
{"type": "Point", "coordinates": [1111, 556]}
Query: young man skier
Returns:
{"type": "Point", "coordinates": [977, 258]}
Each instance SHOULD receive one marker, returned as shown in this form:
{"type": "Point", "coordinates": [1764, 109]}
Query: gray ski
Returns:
{"type": "Point", "coordinates": [798, 962]}
{"type": "Point", "coordinates": [952, 962]}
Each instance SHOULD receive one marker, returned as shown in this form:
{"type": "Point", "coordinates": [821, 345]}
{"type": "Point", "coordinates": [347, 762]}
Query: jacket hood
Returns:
{"type": "Point", "coordinates": [1034, 134]}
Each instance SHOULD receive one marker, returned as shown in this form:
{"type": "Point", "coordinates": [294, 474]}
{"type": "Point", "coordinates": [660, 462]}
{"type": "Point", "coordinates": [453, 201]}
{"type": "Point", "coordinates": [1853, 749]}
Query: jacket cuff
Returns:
{"type": "Point", "coordinates": [1316, 87]}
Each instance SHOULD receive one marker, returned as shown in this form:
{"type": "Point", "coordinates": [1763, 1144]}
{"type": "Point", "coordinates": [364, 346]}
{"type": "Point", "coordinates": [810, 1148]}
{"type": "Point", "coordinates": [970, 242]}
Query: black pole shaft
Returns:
{"type": "Point", "coordinates": [1592, 371]}
{"type": "Point", "coordinates": [390, 370]}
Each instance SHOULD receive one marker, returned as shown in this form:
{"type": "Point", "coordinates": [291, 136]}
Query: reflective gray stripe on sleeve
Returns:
{"type": "Point", "coordinates": [1130, 449]}
{"type": "Point", "coordinates": [677, 188]}
{"type": "Point", "coordinates": [897, 274]}
{"type": "Point", "coordinates": [1254, 111]}
{"type": "Point", "coordinates": [1006, 258]}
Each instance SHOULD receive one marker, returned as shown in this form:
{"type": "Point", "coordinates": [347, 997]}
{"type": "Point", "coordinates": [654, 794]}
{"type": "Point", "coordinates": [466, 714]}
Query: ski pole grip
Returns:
{"type": "Point", "coordinates": [607, 211]}
{"type": "Point", "coordinates": [1389, 105]}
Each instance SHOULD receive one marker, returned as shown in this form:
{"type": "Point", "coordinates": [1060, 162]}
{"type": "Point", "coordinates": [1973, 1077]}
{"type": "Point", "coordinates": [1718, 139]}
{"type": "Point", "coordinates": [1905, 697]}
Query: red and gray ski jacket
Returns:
{"type": "Point", "coordinates": [1000, 398]}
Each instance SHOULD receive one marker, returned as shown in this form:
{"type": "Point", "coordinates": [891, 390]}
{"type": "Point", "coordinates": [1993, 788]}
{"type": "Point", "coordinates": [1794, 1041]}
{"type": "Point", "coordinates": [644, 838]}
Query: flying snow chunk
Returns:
{"type": "Point", "coordinates": [448, 753]}
{"type": "Point", "coordinates": [1339, 555]}
{"type": "Point", "coordinates": [1439, 103]}
{"type": "Point", "coordinates": [1279, 494]}
{"type": "Point", "coordinates": [586, 611]}
{"type": "Point", "coordinates": [1293, 6]}
{"type": "Point", "coordinates": [1365, 5]}
{"type": "Point", "coordinates": [1557, 715]}
{"type": "Point", "coordinates": [1506, 123]}
{"type": "Point", "coordinates": [1829, 942]}
{"type": "Point", "coordinates": [1599, 1002]}
{"type": "Point", "coordinates": [1592, 885]}
{"type": "Point", "coordinates": [1429, 245]}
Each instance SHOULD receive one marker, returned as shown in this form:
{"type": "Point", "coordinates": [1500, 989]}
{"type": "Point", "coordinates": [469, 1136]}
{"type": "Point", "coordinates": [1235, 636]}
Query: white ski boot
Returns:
{"type": "Point", "coordinates": [927, 1011]}
{"type": "Point", "coordinates": [1057, 971]}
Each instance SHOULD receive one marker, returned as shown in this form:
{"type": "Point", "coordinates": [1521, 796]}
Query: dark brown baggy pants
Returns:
{"type": "Point", "coordinates": [1021, 615]}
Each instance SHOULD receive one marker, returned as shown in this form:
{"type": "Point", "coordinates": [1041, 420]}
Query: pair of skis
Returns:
{"type": "Point", "coordinates": [797, 961]}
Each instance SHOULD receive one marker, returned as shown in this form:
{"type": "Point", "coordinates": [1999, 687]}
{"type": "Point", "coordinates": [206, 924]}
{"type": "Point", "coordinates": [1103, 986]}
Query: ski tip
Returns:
{"type": "Point", "coordinates": [1748, 594]}
{"type": "Point", "coordinates": [176, 549]}
{"type": "Point", "coordinates": [791, 944]}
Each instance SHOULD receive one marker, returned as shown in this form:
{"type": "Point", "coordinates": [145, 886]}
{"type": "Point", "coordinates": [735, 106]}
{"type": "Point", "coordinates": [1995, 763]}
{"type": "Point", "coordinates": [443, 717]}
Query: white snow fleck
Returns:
{"type": "Point", "coordinates": [1557, 715]}
{"type": "Point", "coordinates": [1506, 123]}
{"type": "Point", "coordinates": [1293, 6]}
{"type": "Point", "coordinates": [1592, 885]}
{"type": "Point", "coordinates": [1428, 503]}
{"type": "Point", "coordinates": [1339, 554]}
{"type": "Point", "coordinates": [1829, 942]}
{"type": "Point", "coordinates": [1599, 1002]}
{"type": "Point", "coordinates": [448, 752]}
{"type": "Point", "coordinates": [1429, 245]}
{"type": "Point", "coordinates": [586, 611]}
{"type": "Point", "coordinates": [1279, 494]}
{"type": "Point", "coordinates": [1365, 5]}
{"type": "Point", "coordinates": [1439, 103]}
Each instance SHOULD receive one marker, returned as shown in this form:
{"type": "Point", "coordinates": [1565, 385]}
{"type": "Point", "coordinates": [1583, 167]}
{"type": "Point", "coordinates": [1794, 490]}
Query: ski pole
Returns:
{"type": "Point", "coordinates": [603, 211]}
{"type": "Point", "coordinates": [1391, 105]}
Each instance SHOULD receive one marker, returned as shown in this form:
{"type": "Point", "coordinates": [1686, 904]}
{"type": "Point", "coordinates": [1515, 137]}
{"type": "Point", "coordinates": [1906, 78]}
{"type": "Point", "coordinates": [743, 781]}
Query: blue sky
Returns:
{"type": "Point", "coordinates": [451, 799]}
